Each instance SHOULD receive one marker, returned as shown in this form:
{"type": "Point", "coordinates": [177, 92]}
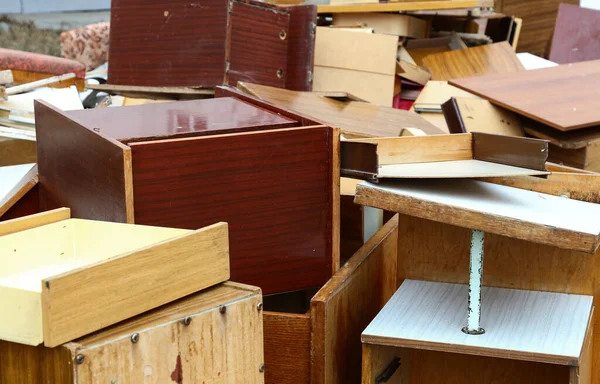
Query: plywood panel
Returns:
{"type": "Point", "coordinates": [347, 303]}
{"type": "Point", "coordinates": [484, 59]}
{"type": "Point", "coordinates": [280, 229]}
{"type": "Point", "coordinates": [81, 169]}
{"type": "Point", "coordinates": [559, 96]}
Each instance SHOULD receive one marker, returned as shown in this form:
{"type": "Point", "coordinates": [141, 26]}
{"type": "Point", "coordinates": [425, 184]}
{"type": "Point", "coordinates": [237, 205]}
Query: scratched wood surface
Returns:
{"type": "Point", "coordinates": [561, 97]}
{"type": "Point", "coordinates": [282, 234]}
{"type": "Point", "coordinates": [353, 118]}
{"type": "Point", "coordinates": [484, 59]}
{"type": "Point", "coordinates": [509, 263]}
{"type": "Point", "coordinates": [81, 169]}
{"type": "Point", "coordinates": [209, 349]}
{"type": "Point", "coordinates": [347, 303]}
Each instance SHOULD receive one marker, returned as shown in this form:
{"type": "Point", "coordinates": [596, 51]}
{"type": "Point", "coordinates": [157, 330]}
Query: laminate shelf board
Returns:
{"type": "Point", "coordinates": [519, 325]}
{"type": "Point", "coordinates": [563, 97]}
{"type": "Point", "coordinates": [404, 6]}
{"type": "Point", "coordinates": [15, 182]}
{"type": "Point", "coordinates": [498, 209]}
{"type": "Point", "coordinates": [453, 169]}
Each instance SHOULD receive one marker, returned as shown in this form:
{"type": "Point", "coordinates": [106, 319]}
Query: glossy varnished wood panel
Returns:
{"type": "Point", "coordinates": [485, 59]}
{"type": "Point", "coordinates": [179, 119]}
{"type": "Point", "coordinates": [25, 364]}
{"type": "Point", "coordinates": [257, 51]}
{"type": "Point", "coordinates": [563, 97]}
{"type": "Point", "coordinates": [301, 47]}
{"type": "Point", "coordinates": [81, 169]}
{"type": "Point", "coordinates": [274, 188]}
{"type": "Point", "coordinates": [167, 43]}
{"type": "Point", "coordinates": [575, 35]}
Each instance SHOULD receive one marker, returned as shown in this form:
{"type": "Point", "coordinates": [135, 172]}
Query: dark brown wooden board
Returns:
{"type": "Point", "coordinates": [510, 150]}
{"type": "Point", "coordinates": [27, 205]}
{"type": "Point", "coordinates": [301, 47]}
{"type": "Point", "coordinates": [563, 97]}
{"type": "Point", "coordinates": [179, 119]}
{"type": "Point", "coordinates": [170, 43]}
{"type": "Point", "coordinates": [273, 188]}
{"type": "Point", "coordinates": [576, 35]}
{"type": "Point", "coordinates": [81, 169]}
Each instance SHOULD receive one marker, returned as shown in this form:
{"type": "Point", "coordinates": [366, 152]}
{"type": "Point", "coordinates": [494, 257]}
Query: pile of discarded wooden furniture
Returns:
{"type": "Point", "coordinates": [341, 193]}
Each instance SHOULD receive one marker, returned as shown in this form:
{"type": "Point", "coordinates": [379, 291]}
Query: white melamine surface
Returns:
{"type": "Point", "coordinates": [521, 325]}
{"type": "Point", "coordinates": [10, 176]}
{"type": "Point", "coordinates": [492, 199]}
{"type": "Point", "coordinates": [453, 169]}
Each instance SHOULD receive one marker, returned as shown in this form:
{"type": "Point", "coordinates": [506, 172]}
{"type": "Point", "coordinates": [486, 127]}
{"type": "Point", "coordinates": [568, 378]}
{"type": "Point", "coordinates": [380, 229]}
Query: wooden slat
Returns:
{"type": "Point", "coordinates": [491, 208]}
{"type": "Point", "coordinates": [405, 6]}
{"type": "Point", "coordinates": [347, 303]}
{"type": "Point", "coordinates": [81, 169]}
{"type": "Point", "coordinates": [33, 221]}
{"type": "Point", "coordinates": [561, 97]}
{"type": "Point", "coordinates": [484, 59]}
{"type": "Point", "coordinates": [75, 303]}
{"type": "Point", "coordinates": [430, 315]}
{"type": "Point", "coordinates": [287, 348]}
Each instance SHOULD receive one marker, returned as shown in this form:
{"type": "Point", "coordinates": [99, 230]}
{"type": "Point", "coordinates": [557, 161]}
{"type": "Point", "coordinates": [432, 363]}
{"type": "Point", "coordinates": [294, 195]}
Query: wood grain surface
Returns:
{"type": "Point", "coordinates": [491, 208]}
{"type": "Point", "coordinates": [475, 115]}
{"type": "Point", "coordinates": [576, 139]}
{"type": "Point", "coordinates": [430, 315]}
{"type": "Point", "coordinates": [81, 169]}
{"type": "Point", "coordinates": [347, 303]}
{"type": "Point", "coordinates": [301, 47]}
{"type": "Point", "coordinates": [560, 97]}
{"type": "Point", "coordinates": [538, 16]}
{"type": "Point", "coordinates": [281, 231]}
{"type": "Point", "coordinates": [20, 363]}
{"type": "Point", "coordinates": [199, 259]}
{"type": "Point", "coordinates": [484, 59]}
{"type": "Point", "coordinates": [575, 35]}
{"type": "Point", "coordinates": [15, 152]}
{"type": "Point", "coordinates": [353, 118]}
{"type": "Point", "coordinates": [179, 119]}
{"type": "Point", "coordinates": [509, 263]}
{"type": "Point", "coordinates": [148, 47]}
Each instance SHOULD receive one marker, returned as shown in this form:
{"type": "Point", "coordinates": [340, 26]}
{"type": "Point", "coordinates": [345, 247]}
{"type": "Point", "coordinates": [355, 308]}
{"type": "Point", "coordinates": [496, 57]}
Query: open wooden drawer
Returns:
{"type": "Point", "coordinates": [64, 278]}
{"type": "Point", "coordinates": [323, 344]}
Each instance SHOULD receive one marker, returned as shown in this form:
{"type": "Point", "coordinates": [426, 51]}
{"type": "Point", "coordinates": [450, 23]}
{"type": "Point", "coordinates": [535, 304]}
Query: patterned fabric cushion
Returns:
{"type": "Point", "coordinates": [35, 62]}
{"type": "Point", "coordinates": [88, 44]}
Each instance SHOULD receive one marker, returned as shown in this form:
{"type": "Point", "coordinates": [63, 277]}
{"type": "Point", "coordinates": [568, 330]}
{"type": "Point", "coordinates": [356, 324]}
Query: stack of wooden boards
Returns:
{"type": "Point", "coordinates": [125, 303]}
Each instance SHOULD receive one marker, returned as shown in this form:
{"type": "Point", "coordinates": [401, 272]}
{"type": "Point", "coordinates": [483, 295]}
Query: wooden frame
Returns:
{"type": "Point", "coordinates": [57, 293]}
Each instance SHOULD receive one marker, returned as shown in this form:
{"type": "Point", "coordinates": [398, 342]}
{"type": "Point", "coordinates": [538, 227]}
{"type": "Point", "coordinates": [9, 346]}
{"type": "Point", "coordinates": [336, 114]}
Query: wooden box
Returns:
{"type": "Point", "coordinates": [213, 336]}
{"type": "Point", "coordinates": [64, 278]}
{"type": "Point", "coordinates": [175, 43]}
{"type": "Point", "coordinates": [271, 175]}
{"type": "Point", "coordinates": [320, 342]}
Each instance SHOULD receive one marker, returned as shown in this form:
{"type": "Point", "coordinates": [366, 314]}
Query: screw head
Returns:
{"type": "Point", "coordinates": [135, 338]}
{"type": "Point", "coordinates": [282, 35]}
{"type": "Point", "coordinates": [187, 321]}
{"type": "Point", "coordinates": [280, 73]}
{"type": "Point", "coordinates": [222, 309]}
{"type": "Point", "coordinates": [261, 368]}
{"type": "Point", "coordinates": [96, 129]}
{"type": "Point", "coordinates": [79, 359]}
{"type": "Point", "coordinates": [259, 306]}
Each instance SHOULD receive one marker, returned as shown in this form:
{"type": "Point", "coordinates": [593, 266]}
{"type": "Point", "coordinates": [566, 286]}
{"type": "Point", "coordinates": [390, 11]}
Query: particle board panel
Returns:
{"type": "Point", "coordinates": [561, 97]}
{"type": "Point", "coordinates": [491, 208]}
{"type": "Point", "coordinates": [356, 119]}
{"type": "Point", "coordinates": [211, 346]}
{"type": "Point", "coordinates": [509, 263]}
{"type": "Point", "coordinates": [436, 93]}
{"type": "Point", "coordinates": [577, 139]}
{"type": "Point", "coordinates": [244, 179]}
{"type": "Point", "coordinates": [575, 35]}
{"type": "Point", "coordinates": [430, 315]}
{"type": "Point", "coordinates": [484, 59]}
{"type": "Point", "coordinates": [179, 119]}
{"type": "Point", "coordinates": [400, 25]}
{"type": "Point", "coordinates": [477, 115]}
{"type": "Point", "coordinates": [147, 47]}
{"type": "Point", "coordinates": [346, 304]}
{"type": "Point", "coordinates": [82, 169]}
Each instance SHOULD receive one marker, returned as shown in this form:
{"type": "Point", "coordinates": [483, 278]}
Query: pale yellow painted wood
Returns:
{"type": "Point", "coordinates": [418, 149]}
{"type": "Point", "coordinates": [32, 221]}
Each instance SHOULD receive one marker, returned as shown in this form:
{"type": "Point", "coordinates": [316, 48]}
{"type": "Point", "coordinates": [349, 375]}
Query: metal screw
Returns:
{"type": "Point", "coordinates": [135, 338]}
{"type": "Point", "coordinates": [187, 321]}
{"type": "Point", "coordinates": [96, 129]}
{"type": "Point", "coordinates": [280, 73]}
{"type": "Point", "coordinates": [282, 35]}
{"type": "Point", "coordinates": [261, 368]}
{"type": "Point", "coordinates": [259, 306]}
{"type": "Point", "coordinates": [79, 359]}
{"type": "Point", "coordinates": [222, 309]}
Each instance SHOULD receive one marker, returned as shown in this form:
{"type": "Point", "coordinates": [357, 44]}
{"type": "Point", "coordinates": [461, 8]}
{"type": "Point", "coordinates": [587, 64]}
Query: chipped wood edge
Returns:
{"type": "Point", "coordinates": [34, 221]}
{"type": "Point", "coordinates": [137, 262]}
{"type": "Point", "coordinates": [29, 180]}
{"type": "Point", "coordinates": [466, 218]}
{"type": "Point", "coordinates": [335, 198]}
{"type": "Point", "coordinates": [128, 178]}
